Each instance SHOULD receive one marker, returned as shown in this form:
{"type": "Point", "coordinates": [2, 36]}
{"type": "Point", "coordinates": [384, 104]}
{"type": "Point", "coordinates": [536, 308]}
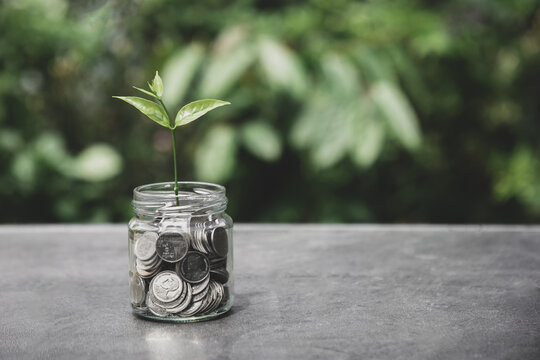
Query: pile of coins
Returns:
{"type": "Point", "coordinates": [181, 273]}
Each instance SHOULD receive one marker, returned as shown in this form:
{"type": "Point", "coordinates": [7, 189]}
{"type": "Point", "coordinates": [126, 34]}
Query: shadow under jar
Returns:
{"type": "Point", "coordinates": [180, 252]}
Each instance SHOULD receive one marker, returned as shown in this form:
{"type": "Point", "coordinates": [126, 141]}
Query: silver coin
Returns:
{"type": "Point", "coordinates": [145, 246]}
{"type": "Point", "coordinates": [154, 259]}
{"type": "Point", "coordinates": [206, 302]}
{"type": "Point", "coordinates": [154, 308]}
{"type": "Point", "coordinates": [147, 267]}
{"type": "Point", "coordinates": [213, 298]}
{"type": "Point", "coordinates": [194, 267]}
{"type": "Point", "coordinates": [220, 241]}
{"type": "Point", "coordinates": [166, 286]}
{"type": "Point", "coordinates": [184, 304]}
{"type": "Point", "coordinates": [175, 303]}
{"type": "Point", "coordinates": [136, 290]}
{"type": "Point", "coordinates": [221, 275]}
{"type": "Point", "coordinates": [146, 274]}
{"type": "Point", "coordinates": [219, 296]}
{"type": "Point", "coordinates": [172, 247]}
{"type": "Point", "coordinates": [201, 295]}
{"type": "Point", "coordinates": [218, 262]}
{"type": "Point", "coordinates": [192, 309]}
{"type": "Point", "coordinates": [197, 288]}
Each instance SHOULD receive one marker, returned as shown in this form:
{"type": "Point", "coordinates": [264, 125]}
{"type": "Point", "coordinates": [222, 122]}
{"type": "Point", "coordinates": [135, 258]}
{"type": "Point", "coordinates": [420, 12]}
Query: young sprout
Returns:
{"type": "Point", "coordinates": [157, 112]}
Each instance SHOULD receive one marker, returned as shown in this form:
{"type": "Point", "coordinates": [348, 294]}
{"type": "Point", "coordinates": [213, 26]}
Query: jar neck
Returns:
{"type": "Point", "coordinates": [194, 199]}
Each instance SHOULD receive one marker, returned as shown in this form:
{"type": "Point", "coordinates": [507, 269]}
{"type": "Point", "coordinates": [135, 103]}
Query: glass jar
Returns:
{"type": "Point", "coordinates": [180, 252]}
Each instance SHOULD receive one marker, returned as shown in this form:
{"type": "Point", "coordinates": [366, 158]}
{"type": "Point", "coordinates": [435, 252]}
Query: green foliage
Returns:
{"type": "Point", "coordinates": [350, 111]}
{"type": "Point", "coordinates": [149, 108]}
{"type": "Point", "coordinates": [195, 110]}
{"type": "Point", "coordinates": [158, 113]}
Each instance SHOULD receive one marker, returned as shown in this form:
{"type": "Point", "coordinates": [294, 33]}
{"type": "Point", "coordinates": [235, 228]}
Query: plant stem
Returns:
{"type": "Point", "coordinates": [173, 151]}
{"type": "Point", "coordinates": [175, 167]}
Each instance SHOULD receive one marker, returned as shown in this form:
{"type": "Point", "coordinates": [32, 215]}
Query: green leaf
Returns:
{"type": "Point", "coordinates": [97, 162]}
{"type": "Point", "coordinates": [148, 108]}
{"type": "Point", "coordinates": [178, 73]}
{"type": "Point", "coordinates": [399, 114]}
{"type": "Point", "coordinates": [224, 70]}
{"type": "Point", "coordinates": [282, 67]}
{"type": "Point", "coordinates": [341, 77]}
{"type": "Point", "coordinates": [262, 140]}
{"type": "Point", "coordinates": [157, 85]}
{"type": "Point", "coordinates": [368, 142]}
{"type": "Point", "coordinates": [332, 139]}
{"type": "Point", "coordinates": [215, 157]}
{"type": "Point", "coordinates": [195, 110]}
{"type": "Point", "coordinates": [146, 92]}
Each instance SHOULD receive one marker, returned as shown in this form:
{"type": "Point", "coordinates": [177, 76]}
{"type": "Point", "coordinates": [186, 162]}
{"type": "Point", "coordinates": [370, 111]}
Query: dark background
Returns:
{"type": "Point", "coordinates": [342, 111]}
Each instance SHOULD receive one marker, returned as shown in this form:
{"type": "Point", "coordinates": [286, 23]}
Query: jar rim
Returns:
{"type": "Point", "coordinates": [186, 190]}
{"type": "Point", "coordinates": [193, 197]}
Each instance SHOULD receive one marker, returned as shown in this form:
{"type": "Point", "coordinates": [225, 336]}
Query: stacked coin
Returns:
{"type": "Point", "coordinates": [148, 261]}
{"type": "Point", "coordinates": [188, 270]}
{"type": "Point", "coordinates": [168, 294]}
{"type": "Point", "coordinates": [213, 242]}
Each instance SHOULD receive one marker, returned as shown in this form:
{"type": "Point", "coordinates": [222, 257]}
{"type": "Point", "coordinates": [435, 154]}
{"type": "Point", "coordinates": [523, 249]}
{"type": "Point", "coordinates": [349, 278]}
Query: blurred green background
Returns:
{"type": "Point", "coordinates": [343, 111]}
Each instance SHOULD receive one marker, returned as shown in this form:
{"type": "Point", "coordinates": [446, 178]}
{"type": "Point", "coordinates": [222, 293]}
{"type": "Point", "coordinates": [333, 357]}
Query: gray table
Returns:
{"type": "Point", "coordinates": [330, 292]}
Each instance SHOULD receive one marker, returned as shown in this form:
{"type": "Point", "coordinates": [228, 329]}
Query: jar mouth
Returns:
{"type": "Point", "coordinates": [193, 198]}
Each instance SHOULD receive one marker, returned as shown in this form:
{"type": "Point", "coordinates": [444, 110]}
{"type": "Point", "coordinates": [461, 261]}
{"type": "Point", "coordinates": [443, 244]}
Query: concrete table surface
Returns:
{"type": "Point", "coordinates": [302, 292]}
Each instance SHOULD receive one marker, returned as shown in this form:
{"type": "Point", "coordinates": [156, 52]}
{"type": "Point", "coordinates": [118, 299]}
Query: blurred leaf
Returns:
{"type": "Point", "coordinates": [306, 126]}
{"type": "Point", "coordinates": [261, 140]}
{"type": "Point", "coordinates": [368, 142]}
{"type": "Point", "coordinates": [224, 70]}
{"type": "Point", "coordinates": [332, 141]}
{"type": "Point", "coordinates": [24, 168]}
{"type": "Point", "coordinates": [148, 108]}
{"type": "Point", "coordinates": [215, 157]}
{"type": "Point", "coordinates": [341, 76]}
{"type": "Point", "coordinates": [10, 140]}
{"type": "Point", "coordinates": [375, 66]}
{"type": "Point", "coordinates": [97, 162]}
{"type": "Point", "coordinates": [281, 67]}
{"type": "Point", "coordinates": [50, 148]}
{"type": "Point", "coordinates": [398, 112]}
{"type": "Point", "coordinates": [520, 178]}
{"type": "Point", "coordinates": [178, 73]}
{"type": "Point", "coordinates": [196, 109]}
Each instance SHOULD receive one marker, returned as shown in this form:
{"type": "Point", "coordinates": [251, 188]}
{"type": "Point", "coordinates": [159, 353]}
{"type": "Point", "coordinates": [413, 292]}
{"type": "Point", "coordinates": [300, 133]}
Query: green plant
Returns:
{"type": "Point", "coordinates": [158, 112]}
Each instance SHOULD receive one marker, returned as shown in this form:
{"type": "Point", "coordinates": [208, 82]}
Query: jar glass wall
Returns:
{"type": "Point", "coordinates": [180, 252]}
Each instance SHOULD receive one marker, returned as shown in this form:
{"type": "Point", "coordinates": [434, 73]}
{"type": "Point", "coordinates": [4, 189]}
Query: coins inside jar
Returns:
{"type": "Point", "coordinates": [147, 261]}
{"type": "Point", "coordinates": [186, 269]}
{"type": "Point", "coordinates": [194, 267]}
{"type": "Point", "coordinates": [171, 246]}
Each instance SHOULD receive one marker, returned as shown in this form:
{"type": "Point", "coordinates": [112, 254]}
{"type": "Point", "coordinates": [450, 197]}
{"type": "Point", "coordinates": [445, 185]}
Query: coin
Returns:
{"type": "Point", "coordinates": [197, 288]}
{"type": "Point", "coordinates": [155, 309]}
{"type": "Point", "coordinates": [184, 304]}
{"type": "Point", "coordinates": [145, 247]}
{"type": "Point", "coordinates": [172, 247]}
{"type": "Point", "coordinates": [146, 274]}
{"type": "Point", "coordinates": [136, 290]}
{"type": "Point", "coordinates": [175, 303]}
{"type": "Point", "coordinates": [194, 267]}
{"type": "Point", "coordinates": [192, 309]}
{"type": "Point", "coordinates": [220, 241]}
{"type": "Point", "coordinates": [221, 275]}
{"type": "Point", "coordinates": [216, 263]}
{"type": "Point", "coordinates": [166, 286]}
{"type": "Point", "coordinates": [200, 295]}
{"type": "Point", "coordinates": [147, 266]}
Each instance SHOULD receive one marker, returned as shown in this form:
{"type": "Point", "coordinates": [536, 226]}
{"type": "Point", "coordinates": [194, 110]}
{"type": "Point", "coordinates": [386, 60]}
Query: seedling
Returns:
{"type": "Point", "coordinates": [155, 109]}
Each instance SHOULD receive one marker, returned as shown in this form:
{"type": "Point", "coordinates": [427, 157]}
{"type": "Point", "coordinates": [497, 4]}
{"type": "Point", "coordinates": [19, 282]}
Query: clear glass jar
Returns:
{"type": "Point", "coordinates": [180, 252]}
